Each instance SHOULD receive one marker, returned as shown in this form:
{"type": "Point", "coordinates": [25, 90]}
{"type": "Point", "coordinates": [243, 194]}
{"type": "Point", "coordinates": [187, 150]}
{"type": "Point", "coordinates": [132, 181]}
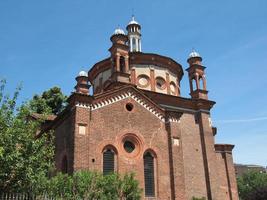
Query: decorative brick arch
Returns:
{"type": "Point", "coordinates": [136, 140]}
{"type": "Point", "coordinates": [108, 145]}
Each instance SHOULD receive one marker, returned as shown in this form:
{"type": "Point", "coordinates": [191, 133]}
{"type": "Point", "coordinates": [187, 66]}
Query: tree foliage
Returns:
{"type": "Point", "coordinates": [51, 101]}
{"type": "Point", "coordinates": [23, 158]}
{"type": "Point", "coordinates": [25, 161]}
{"type": "Point", "coordinates": [91, 185]}
{"type": "Point", "coordinates": [252, 185]}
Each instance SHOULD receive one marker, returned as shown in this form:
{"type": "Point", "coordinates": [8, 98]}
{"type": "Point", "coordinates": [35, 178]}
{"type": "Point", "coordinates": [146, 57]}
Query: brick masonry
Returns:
{"type": "Point", "coordinates": [180, 169]}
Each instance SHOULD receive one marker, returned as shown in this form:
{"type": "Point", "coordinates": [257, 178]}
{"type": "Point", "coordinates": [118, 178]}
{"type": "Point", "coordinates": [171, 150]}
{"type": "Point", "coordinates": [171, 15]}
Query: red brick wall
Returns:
{"type": "Point", "coordinates": [177, 160]}
{"type": "Point", "coordinates": [107, 127]}
{"type": "Point", "coordinates": [232, 175]}
{"type": "Point", "coordinates": [81, 142]}
{"type": "Point", "coordinates": [64, 142]}
{"type": "Point", "coordinates": [221, 173]}
{"type": "Point", "coordinates": [195, 184]}
{"type": "Point", "coordinates": [179, 169]}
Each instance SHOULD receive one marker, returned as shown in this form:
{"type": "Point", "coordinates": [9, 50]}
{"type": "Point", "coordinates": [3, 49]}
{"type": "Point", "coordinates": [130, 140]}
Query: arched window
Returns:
{"type": "Point", "coordinates": [64, 165]}
{"type": "Point", "coordinates": [108, 161]}
{"type": "Point", "coordinates": [149, 175]}
{"type": "Point", "coordinates": [122, 64]}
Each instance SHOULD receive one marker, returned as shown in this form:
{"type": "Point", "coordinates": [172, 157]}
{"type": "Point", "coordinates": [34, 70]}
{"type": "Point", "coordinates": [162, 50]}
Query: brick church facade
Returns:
{"type": "Point", "coordinates": [135, 120]}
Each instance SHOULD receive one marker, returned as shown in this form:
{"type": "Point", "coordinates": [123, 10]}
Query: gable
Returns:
{"type": "Point", "coordinates": [134, 94]}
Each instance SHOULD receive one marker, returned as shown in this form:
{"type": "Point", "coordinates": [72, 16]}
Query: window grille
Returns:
{"type": "Point", "coordinates": [149, 175]}
{"type": "Point", "coordinates": [108, 162]}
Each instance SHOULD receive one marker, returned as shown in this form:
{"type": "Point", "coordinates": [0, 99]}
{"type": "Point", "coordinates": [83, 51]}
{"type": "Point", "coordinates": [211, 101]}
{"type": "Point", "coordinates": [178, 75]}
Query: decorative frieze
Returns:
{"type": "Point", "coordinates": [114, 99]}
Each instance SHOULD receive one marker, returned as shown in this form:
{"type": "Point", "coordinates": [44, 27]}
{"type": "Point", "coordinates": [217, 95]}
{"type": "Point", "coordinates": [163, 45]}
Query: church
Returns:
{"type": "Point", "coordinates": [135, 120]}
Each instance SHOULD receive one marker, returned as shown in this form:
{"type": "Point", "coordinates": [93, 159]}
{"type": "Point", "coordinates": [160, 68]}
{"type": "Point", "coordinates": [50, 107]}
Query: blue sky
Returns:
{"type": "Point", "coordinates": [46, 43]}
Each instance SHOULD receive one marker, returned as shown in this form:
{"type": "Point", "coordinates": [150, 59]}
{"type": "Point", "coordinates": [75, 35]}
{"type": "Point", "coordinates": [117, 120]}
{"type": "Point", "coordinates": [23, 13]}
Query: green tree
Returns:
{"type": "Point", "coordinates": [23, 158]}
{"type": "Point", "coordinates": [251, 185]}
{"type": "Point", "coordinates": [51, 101]}
{"type": "Point", "coordinates": [91, 186]}
{"type": "Point", "coordinates": [25, 161]}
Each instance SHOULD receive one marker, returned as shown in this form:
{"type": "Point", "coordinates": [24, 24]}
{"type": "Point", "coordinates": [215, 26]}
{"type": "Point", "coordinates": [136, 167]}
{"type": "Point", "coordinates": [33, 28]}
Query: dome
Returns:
{"type": "Point", "coordinates": [119, 31]}
{"type": "Point", "coordinates": [82, 73]}
{"type": "Point", "coordinates": [133, 21]}
{"type": "Point", "coordinates": [194, 54]}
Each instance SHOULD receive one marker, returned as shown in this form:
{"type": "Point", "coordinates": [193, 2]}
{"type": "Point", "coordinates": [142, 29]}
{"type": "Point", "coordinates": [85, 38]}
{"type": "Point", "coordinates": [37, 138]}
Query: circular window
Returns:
{"type": "Point", "coordinates": [143, 80]}
{"type": "Point", "coordinates": [160, 83]}
{"type": "Point", "coordinates": [129, 106]}
{"type": "Point", "coordinates": [129, 146]}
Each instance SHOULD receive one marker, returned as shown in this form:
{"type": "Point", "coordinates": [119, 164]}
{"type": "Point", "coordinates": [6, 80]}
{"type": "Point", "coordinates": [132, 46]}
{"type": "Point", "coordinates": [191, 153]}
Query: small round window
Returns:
{"type": "Point", "coordinates": [129, 106]}
{"type": "Point", "coordinates": [129, 146]}
{"type": "Point", "coordinates": [160, 83]}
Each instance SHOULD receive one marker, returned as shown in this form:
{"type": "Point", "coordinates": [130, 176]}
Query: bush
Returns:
{"type": "Point", "coordinates": [90, 185]}
{"type": "Point", "coordinates": [252, 185]}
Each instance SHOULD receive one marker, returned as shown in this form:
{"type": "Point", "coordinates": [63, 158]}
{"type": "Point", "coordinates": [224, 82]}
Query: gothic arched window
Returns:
{"type": "Point", "coordinates": [149, 175]}
{"type": "Point", "coordinates": [108, 161]}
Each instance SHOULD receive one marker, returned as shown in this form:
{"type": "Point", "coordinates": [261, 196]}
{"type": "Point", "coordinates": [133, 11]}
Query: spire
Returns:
{"type": "Point", "coordinates": [134, 35]}
{"type": "Point", "coordinates": [133, 21]}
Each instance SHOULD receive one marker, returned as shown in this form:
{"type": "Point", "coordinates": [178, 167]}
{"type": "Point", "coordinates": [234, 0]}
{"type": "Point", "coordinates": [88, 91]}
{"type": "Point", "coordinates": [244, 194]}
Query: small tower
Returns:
{"type": "Point", "coordinates": [82, 85]}
{"type": "Point", "coordinates": [134, 35]}
{"type": "Point", "coordinates": [197, 80]}
{"type": "Point", "coordinates": [120, 56]}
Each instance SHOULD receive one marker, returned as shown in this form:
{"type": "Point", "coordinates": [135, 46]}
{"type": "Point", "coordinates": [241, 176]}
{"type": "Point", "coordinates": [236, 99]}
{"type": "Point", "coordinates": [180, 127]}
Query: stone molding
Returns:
{"type": "Point", "coordinates": [125, 95]}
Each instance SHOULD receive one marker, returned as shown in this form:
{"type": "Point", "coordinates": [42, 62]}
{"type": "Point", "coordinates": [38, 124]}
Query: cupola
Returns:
{"type": "Point", "coordinates": [134, 35]}
{"type": "Point", "coordinates": [119, 37]}
{"type": "Point", "coordinates": [82, 85]}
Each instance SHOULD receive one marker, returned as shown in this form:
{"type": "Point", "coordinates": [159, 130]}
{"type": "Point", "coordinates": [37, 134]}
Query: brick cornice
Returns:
{"type": "Point", "coordinates": [101, 66]}
{"type": "Point", "coordinates": [180, 102]}
{"type": "Point", "coordinates": [224, 148]}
